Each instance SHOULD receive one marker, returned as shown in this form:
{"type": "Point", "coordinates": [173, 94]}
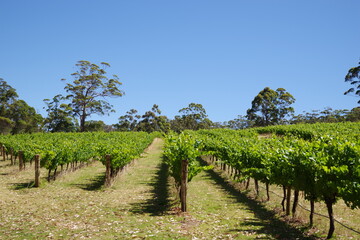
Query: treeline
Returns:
{"type": "Point", "coordinates": [87, 95]}
{"type": "Point", "coordinates": [16, 116]}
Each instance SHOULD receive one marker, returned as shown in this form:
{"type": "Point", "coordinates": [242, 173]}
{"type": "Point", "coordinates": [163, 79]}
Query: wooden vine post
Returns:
{"type": "Point", "coordinates": [21, 161]}
{"type": "Point", "coordinates": [183, 186]}
{"type": "Point", "coordinates": [108, 170]}
{"type": "Point", "coordinates": [37, 170]}
{"type": "Point", "coordinates": [288, 200]}
{"type": "Point", "coordinates": [12, 156]}
{"type": "Point", "coordinates": [3, 152]}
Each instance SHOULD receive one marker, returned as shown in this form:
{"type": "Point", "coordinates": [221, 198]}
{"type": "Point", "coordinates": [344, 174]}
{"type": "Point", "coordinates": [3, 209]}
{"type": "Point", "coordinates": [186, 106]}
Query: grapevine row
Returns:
{"type": "Point", "coordinates": [61, 150]}
{"type": "Point", "coordinates": [322, 160]}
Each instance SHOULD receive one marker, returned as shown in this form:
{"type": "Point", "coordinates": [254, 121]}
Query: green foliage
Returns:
{"type": "Point", "coordinates": [353, 77]}
{"type": "Point", "coordinates": [57, 149]}
{"type": "Point", "coordinates": [94, 126]}
{"type": "Point", "coordinates": [59, 117]}
{"type": "Point", "coordinates": [241, 122]}
{"type": "Point", "coordinates": [152, 121]}
{"type": "Point", "coordinates": [320, 159]}
{"type": "Point", "coordinates": [179, 147]}
{"type": "Point", "coordinates": [25, 118]}
{"type": "Point", "coordinates": [128, 122]}
{"type": "Point", "coordinates": [88, 91]}
{"type": "Point", "coordinates": [193, 118]}
{"type": "Point", "coordinates": [7, 96]}
{"type": "Point", "coordinates": [5, 125]}
{"type": "Point", "coordinates": [16, 115]}
{"type": "Point", "coordinates": [270, 107]}
{"type": "Point", "coordinates": [328, 115]}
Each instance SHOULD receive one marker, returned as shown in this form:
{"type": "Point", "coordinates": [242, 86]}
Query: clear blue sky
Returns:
{"type": "Point", "coordinates": [172, 53]}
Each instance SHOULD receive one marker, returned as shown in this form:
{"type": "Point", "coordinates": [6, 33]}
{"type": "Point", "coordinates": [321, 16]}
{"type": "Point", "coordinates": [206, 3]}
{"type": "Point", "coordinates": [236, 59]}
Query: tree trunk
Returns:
{"type": "Point", "coordinates": [284, 198]}
{"type": "Point", "coordinates": [3, 153]}
{"type": "Point", "coordinates": [21, 160]}
{"type": "Point", "coordinates": [82, 120]}
{"type": "Point", "coordinates": [108, 171]}
{"type": "Point", "coordinates": [12, 156]}
{"type": "Point", "coordinates": [55, 173]}
{"type": "Point", "coordinates": [256, 187]}
{"type": "Point", "coordinates": [183, 187]}
{"type": "Point", "coordinates": [49, 175]}
{"type": "Point", "coordinates": [37, 170]}
{"type": "Point", "coordinates": [296, 201]}
{"type": "Point", "coordinates": [288, 200]}
{"type": "Point", "coordinates": [312, 210]}
{"type": "Point", "coordinates": [329, 204]}
{"type": "Point", "coordinates": [247, 183]}
{"type": "Point", "coordinates": [267, 191]}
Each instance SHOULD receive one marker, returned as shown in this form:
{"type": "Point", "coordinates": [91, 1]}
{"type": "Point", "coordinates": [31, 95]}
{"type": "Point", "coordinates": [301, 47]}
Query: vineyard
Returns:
{"type": "Point", "coordinates": [61, 150]}
{"type": "Point", "coordinates": [322, 161]}
{"type": "Point", "coordinates": [269, 168]}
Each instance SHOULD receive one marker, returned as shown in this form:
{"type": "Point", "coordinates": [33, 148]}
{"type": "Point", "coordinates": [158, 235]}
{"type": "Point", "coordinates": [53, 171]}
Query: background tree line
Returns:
{"type": "Point", "coordinates": [16, 116]}
{"type": "Point", "coordinates": [87, 95]}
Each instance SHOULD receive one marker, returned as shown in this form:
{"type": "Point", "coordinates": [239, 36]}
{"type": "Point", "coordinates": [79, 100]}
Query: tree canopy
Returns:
{"type": "Point", "coordinates": [193, 117]}
{"type": "Point", "coordinates": [353, 77]}
{"type": "Point", "coordinates": [150, 121]}
{"type": "Point", "coordinates": [16, 116]}
{"type": "Point", "coordinates": [87, 93]}
{"type": "Point", "coordinates": [270, 107]}
{"type": "Point", "coordinates": [59, 117]}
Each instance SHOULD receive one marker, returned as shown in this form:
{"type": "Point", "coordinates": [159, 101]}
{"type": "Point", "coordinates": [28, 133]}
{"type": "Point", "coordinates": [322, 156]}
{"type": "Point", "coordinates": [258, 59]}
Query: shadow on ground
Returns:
{"type": "Point", "coordinates": [23, 185]}
{"type": "Point", "coordinates": [92, 184]}
{"type": "Point", "coordinates": [159, 203]}
{"type": "Point", "coordinates": [269, 224]}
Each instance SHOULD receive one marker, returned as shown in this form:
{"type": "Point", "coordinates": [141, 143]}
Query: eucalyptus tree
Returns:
{"type": "Point", "coordinates": [270, 107]}
{"type": "Point", "coordinates": [16, 116]}
{"type": "Point", "coordinates": [59, 117]}
{"type": "Point", "coordinates": [241, 122]}
{"type": "Point", "coordinates": [88, 92]}
{"type": "Point", "coordinates": [153, 121]}
{"type": "Point", "coordinates": [95, 126]}
{"type": "Point", "coordinates": [192, 117]}
{"type": "Point", "coordinates": [128, 122]}
{"type": "Point", "coordinates": [25, 118]}
{"type": "Point", "coordinates": [353, 77]}
{"type": "Point", "coordinates": [8, 96]}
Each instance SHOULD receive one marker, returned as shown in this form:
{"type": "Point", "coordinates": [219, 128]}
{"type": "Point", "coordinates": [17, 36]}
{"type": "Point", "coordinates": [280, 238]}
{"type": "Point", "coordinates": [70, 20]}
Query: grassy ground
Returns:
{"type": "Point", "coordinates": [140, 205]}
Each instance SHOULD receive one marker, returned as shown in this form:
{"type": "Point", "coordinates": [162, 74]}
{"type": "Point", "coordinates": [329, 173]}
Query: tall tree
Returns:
{"type": "Point", "coordinates": [193, 117]}
{"type": "Point", "coordinates": [353, 77]}
{"type": "Point", "coordinates": [95, 126]}
{"type": "Point", "coordinates": [25, 118]}
{"type": "Point", "coordinates": [354, 115]}
{"type": "Point", "coordinates": [241, 122]}
{"type": "Point", "coordinates": [5, 125]}
{"type": "Point", "coordinates": [88, 92]}
{"type": "Point", "coordinates": [153, 121]}
{"type": "Point", "coordinates": [59, 117]}
{"type": "Point", "coordinates": [128, 122]}
{"type": "Point", "coordinates": [270, 107]}
{"type": "Point", "coordinates": [8, 96]}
